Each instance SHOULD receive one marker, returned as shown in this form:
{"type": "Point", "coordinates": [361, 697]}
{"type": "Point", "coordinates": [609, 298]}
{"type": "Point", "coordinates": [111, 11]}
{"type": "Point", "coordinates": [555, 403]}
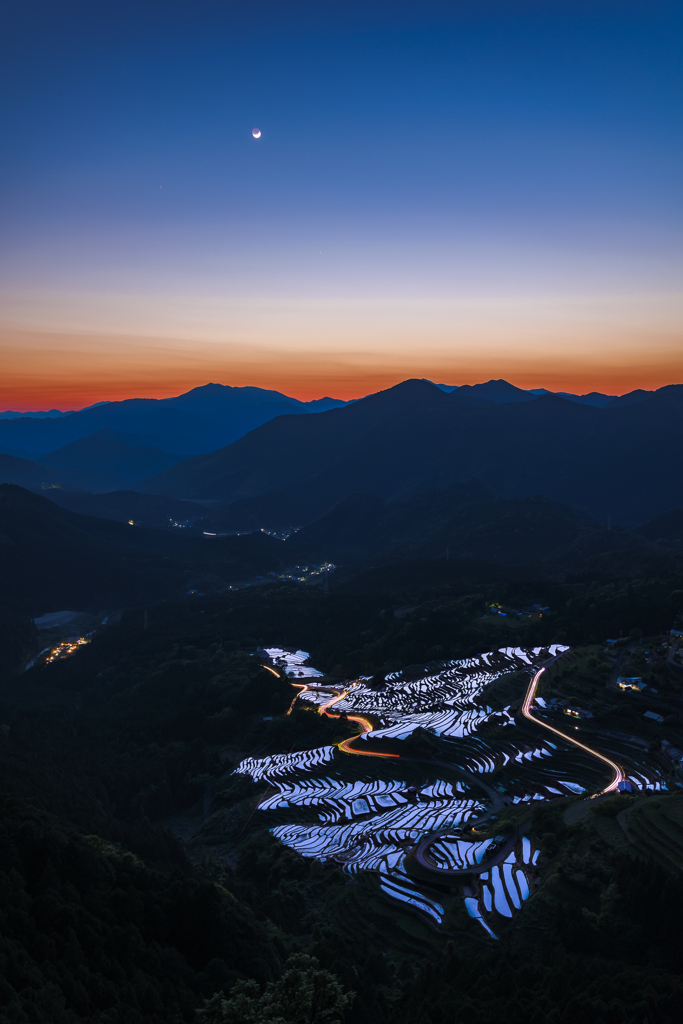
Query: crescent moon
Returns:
{"type": "Point", "coordinates": [256, 132]}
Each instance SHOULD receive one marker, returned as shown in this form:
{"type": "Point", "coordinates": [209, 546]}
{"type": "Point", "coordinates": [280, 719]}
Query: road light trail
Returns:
{"type": "Point", "coordinates": [303, 689]}
{"type": "Point", "coordinates": [618, 774]}
{"type": "Point", "coordinates": [296, 696]}
{"type": "Point", "coordinates": [365, 724]}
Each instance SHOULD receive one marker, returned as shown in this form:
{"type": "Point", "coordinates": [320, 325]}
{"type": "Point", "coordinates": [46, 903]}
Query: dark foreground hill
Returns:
{"type": "Point", "coordinates": [109, 758]}
{"type": "Point", "coordinates": [51, 558]}
{"type": "Point", "coordinates": [462, 522]}
{"type": "Point", "coordinates": [150, 510]}
{"type": "Point", "coordinates": [666, 529]}
{"type": "Point", "coordinates": [613, 461]}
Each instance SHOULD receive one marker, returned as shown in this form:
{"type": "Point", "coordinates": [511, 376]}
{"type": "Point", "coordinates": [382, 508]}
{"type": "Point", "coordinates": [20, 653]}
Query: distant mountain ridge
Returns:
{"type": "Point", "coordinates": [46, 414]}
{"type": "Point", "coordinates": [499, 391]}
{"type": "Point", "coordinates": [611, 461]}
{"type": "Point", "coordinates": [214, 415]}
{"type": "Point", "coordinates": [259, 451]}
{"type": "Point", "coordinates": [200, 420]}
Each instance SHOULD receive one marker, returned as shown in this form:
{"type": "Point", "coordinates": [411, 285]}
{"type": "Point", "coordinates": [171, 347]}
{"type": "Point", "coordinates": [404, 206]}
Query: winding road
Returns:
{"type": "Point", "coordinates": [422, 848]}
{"type": "Point", "coordinates": [617, 771]}
{"type": "Point", "coordinates": [365, 724]}
{"type": "Point", "coordinates": [497, 857]}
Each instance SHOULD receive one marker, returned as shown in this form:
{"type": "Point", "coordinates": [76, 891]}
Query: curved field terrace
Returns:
{"type": "Point", "coordinates": [414, 797]}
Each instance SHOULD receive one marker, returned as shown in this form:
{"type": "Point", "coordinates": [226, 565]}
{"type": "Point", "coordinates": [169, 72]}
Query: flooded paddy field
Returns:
{"type": "Point", "coordinates": [434, 794]}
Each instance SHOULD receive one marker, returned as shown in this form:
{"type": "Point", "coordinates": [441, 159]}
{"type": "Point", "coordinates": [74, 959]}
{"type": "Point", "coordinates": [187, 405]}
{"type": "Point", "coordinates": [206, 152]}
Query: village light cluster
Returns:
{"type": "Point", "coordinates": [66, 648]}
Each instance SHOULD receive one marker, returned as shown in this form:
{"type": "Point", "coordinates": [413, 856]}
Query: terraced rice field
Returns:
{"type": "Point", "coordinates": [445, 702]}
{"type": "Point", "coordinates": [293, 662]}
{"type": "Point", "coordinates": [366, 815]}
{"type": "Point", "coordinates": [280, 765]}
{"type": "Point", "coordinates": [503, 889]}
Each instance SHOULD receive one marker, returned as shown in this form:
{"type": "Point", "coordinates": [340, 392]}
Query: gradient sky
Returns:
{"type": "Point", "coordinates": [447, 190]}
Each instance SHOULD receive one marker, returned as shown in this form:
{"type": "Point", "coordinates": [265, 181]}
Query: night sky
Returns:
{"type": "Point", "coordinates": [452, 190]}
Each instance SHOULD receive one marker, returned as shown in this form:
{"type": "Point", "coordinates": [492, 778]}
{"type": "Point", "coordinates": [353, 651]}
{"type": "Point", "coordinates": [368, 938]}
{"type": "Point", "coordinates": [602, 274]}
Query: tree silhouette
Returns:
{"type": "Point", "coordinates": [304, 994]}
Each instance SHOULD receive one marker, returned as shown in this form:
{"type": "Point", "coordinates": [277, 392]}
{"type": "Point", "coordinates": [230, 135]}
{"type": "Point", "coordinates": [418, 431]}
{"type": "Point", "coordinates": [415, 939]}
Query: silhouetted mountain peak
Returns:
{"type": "Point", "coordinates": [497, 391]}
{"type": "Point", "coordinates": [639, 395]}
{"type": "Point", "coordinates": [409, 392]}
{"type": "Point", "coordinates": [213, 394]}
{"type": "Point", "coordinates": [668, 392]}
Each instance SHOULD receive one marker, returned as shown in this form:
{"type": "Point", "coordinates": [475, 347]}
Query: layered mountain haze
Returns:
{"type": "Point", "coordinates": [104, 461]}
{"type": "Point", "coordinates": [107, 460]}
{"type": "Point", "coordinates": [613, 461]}
{"type": "Point", "coordinates": [592, 398]}
{"type": "Point", "coordinates": [198, 421]}
{"type": "Point", "coordinates": [290, 462]}
{"type": "Point", "coordinates": [27, 473]}
{"type": "Point", "coordinates": [499, 392]}
{"type": "Point", "coordinates": [214, 415]}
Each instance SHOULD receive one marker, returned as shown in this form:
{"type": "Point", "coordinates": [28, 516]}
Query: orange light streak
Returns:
{"type": "Point", "coordinates": [366, 726]}
{"type": "Point", "coordinates": [303, 688]}
{"type": "Point", "coordinates": [526, 711]}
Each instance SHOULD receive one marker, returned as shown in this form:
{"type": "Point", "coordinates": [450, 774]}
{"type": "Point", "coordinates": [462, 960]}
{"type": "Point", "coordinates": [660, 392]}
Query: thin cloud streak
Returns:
{"type": "Point", "coordinates": [72, 369]}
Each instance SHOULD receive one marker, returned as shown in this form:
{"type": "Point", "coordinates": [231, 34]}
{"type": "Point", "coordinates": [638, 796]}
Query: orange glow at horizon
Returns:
{"type": "Point", "coordinates": [44, 370]}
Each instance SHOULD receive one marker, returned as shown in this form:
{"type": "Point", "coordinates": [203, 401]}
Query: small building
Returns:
{"type": "Point", "coordinates": [630, 683]}
{"type": "Point", "coordinates": [625, 787]}
{"type": "Point", "coordinates": [653, 716]}
{"type": "Point", "coordinates": [578, 712]}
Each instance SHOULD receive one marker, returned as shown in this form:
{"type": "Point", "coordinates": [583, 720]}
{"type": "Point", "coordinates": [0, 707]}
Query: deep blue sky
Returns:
{"type": "Point", "coordinates": [434, 154]}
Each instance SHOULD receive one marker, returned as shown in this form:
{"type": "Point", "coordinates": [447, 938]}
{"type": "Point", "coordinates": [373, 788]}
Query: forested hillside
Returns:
{"type": "Point", "coordinates": [139, 879]}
